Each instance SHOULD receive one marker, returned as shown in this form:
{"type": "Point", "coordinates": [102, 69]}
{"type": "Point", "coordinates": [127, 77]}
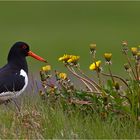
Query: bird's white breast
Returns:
{"type": "Point", "coordinates": [23, 73]}
{"type": "Point", "coordinates": [9, 95]}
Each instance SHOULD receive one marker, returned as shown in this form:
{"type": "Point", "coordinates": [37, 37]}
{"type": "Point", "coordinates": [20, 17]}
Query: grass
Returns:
{"type": "Point", "coordinates": [52, 29]}
{"type": "Point", "coordinates": [39, 120]}
{"type": "Point", "coordinates": [59, 110]}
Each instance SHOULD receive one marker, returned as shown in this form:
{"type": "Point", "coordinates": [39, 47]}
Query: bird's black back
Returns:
{"type": "Point", "coordinates": [10, 79]}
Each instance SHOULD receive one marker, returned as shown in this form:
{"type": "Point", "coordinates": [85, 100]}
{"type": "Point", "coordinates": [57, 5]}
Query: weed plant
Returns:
{"type": "Point", "coordinates": [105, 108]}
{"type": "Point", "coordinates": [109, 95]}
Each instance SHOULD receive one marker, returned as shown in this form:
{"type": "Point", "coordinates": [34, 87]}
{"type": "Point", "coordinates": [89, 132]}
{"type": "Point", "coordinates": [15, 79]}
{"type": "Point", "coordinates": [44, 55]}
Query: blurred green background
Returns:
{"type": "Point", "coordinates": [55, 28]}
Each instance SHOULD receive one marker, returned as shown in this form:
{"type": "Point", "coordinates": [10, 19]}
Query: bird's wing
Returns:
{"type": "Point", "coordinates": [11, 80]}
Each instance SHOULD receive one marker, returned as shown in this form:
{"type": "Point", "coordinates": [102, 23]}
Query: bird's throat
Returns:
{"type": "Point", "coordinates": [19, 63]}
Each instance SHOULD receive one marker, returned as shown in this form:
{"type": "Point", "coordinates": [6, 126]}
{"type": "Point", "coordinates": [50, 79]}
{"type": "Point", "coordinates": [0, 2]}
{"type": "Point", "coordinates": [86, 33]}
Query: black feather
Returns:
{"type": "Point", "coordinates": [10, 79]}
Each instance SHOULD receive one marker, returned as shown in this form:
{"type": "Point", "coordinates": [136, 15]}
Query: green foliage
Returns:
{"type": "Point", "coordinates": [102, 109]}
{"type": "Point", "coordinates": [39, 120]}
{"type": "Point", "coordinates": [113, 96]}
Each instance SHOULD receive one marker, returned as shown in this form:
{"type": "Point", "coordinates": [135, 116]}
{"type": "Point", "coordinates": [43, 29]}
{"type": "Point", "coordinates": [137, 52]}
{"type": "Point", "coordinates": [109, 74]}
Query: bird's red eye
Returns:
{"type": "Point", "coordinates": [24, 47]}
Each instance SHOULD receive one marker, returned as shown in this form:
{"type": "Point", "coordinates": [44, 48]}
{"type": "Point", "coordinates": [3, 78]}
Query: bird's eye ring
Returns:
{"type": "Point", "coordinates": [24, 47]}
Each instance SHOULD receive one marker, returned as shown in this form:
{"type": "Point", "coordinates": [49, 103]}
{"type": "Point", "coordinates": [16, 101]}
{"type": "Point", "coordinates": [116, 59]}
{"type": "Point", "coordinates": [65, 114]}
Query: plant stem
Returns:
{"type": "Point", "coordinates": [130, 65]}
{"type": "Point", "coordinates": [99, 78]}
{"type": "Point", "coordinates": [79, 77]}
{"type": "Point", "coordinates": [94, 92]}
{"type": "Point", "coordinates": [127, 99]}
{"type": "Point", "coordinates": [111, 74]}
{"type": "Point", "coordinates": [88, 78]}
{"type": "Point", "coordinates": [90, 89]}
{"type": "Point", "coordinates": [130, 75]}
{"type": "Point", "coordinates": [84, 78]}
{"type": "Point", "coordinates": [116, 76]}
{"type": "Point", "coordinates": [137, 70]}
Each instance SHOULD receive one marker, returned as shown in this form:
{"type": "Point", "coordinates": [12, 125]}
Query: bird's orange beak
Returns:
{"type": "Point", "coordinates": [30, 53]}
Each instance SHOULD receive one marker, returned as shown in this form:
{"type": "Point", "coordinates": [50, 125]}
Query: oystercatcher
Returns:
{"type": "Point", "coordinates": [14, 75]}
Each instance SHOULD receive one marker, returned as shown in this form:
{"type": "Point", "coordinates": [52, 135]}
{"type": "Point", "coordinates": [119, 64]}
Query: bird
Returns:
{"type": "Point", "coordinates": [14, 75]}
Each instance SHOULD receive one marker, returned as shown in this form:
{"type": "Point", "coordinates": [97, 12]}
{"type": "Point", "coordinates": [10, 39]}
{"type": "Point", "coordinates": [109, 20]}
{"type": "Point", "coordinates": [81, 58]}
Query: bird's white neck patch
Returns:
{"type": "Point", "coordinates": [9, 95]}
{"type": "Point", "coordinates": [24, 74]}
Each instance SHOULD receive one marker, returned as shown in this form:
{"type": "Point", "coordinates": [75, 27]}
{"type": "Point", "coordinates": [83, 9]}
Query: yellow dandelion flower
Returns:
{"type": "Point", "coordinates": [92, 66]}
{"type": "Point", "coordinates": [69, 58]}
{"type": "Point", "coordinates": [64, 58]}
{"type": "Point", "coordinates": [46, 68]}
{"type": "Point", "coordinates": [108, 56]}
{"type": "Point", "coordinates": [62, 75]}
{"type": "Point", "coordinates": [98, 63]}
{"type": "Point", "coordinates": [73, 59]}
{"type": "Point", "coordinates": [134, 50]}
{"type": "Point", "coordinates": [95, 66]}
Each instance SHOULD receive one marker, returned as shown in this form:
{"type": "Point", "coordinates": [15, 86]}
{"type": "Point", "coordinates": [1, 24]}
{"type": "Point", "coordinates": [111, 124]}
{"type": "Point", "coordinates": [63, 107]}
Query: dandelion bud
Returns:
{"type": "Point", "coordinates": [117, 86]}
{"type": "Point", "coordinates": [71, 86]}
{"type": "Point", "coordinates": [134, 51]}
{"type": "Point", "coordinates": [46, 68]}
{"type": "Point", "coordinates": [108, 57]}
{"type": "Point", "coordinates": [42, 76]}
{"type": "Point", "coordinates": [57, 75]}
{"type": "Point", "coordinates": [62, 75]}
{"type": "Point", "coordinates": [124, 43]}
{"type": "Point", "coordinates": [92, 48]}
{"type": "Point", "coordinates": [125, 48]}
{"type": "Point", "coordinates": [127, 67]}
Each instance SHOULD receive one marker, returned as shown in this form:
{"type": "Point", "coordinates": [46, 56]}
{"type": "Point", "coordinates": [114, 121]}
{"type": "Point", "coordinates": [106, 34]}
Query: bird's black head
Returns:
{"type": "Point", "coordinates": [17, 54]}
{"type": "Point", "coordinates": [19, 49]}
